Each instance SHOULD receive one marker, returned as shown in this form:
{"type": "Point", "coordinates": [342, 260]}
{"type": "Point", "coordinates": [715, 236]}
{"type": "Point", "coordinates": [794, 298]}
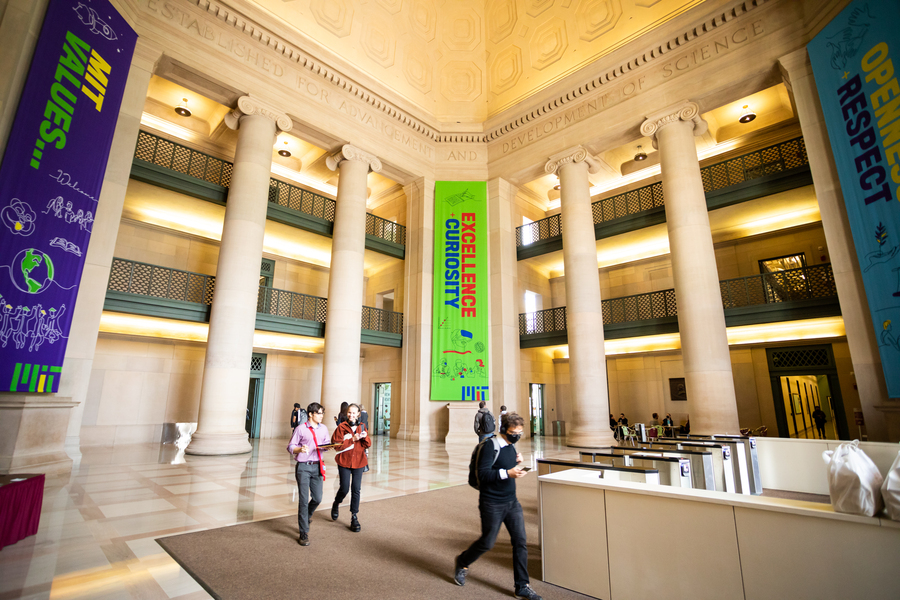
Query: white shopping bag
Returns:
{"type": "Point", "coordinates": [890, 491]}
{"type": "Point", "coordinates": [854, 481]}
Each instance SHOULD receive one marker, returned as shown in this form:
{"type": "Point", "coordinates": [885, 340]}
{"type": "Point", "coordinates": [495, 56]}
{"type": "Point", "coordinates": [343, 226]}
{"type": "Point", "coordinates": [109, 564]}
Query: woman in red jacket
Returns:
{"type": "Point", "coordinates": [351, 459]}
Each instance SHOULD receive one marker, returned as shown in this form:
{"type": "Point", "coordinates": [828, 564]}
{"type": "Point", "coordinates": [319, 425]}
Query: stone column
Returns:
{"type": "Point", "coordinates": [340, 363]}
{"type": "Point", "coordinates": [226, 372]}
{"type": "Point", "coordinates": [861, 336]}
{"type": "Point", "coordinates": [588, 427]}
{"type": "Point", "coordinates": [504, 313]}
{"type": "Point", "coordinates": [701, 316]}
{"type": "Point", "coordinates": [419, 417]}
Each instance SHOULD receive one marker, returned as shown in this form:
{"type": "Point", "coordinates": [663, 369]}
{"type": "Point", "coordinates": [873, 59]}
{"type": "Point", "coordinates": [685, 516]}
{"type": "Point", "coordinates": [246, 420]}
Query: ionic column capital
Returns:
{"type": "Point", "coordinates": [348, 152]}
{"type": "Point", "coordinates": [247, 106]}
{"type": "Point", "coordinates": [683, 111]}
{"type": "Point", "coordinates": [576, 154]}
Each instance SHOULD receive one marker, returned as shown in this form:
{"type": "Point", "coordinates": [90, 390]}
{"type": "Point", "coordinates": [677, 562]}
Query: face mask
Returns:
{"type": "Point", "coordinates": [513, 438]}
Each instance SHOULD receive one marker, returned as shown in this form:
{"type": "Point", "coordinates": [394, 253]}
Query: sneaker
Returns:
{"type": "Point", "coordinates": [335, 511]}
{"type": "Point", "coordinates": [527, 593]}
{"type": "Point", "coordinates": [354, 525]}
{"type": "Point", "coordinates": [460, 573]}
{"type": "Point", "coordinates": [303, 540]}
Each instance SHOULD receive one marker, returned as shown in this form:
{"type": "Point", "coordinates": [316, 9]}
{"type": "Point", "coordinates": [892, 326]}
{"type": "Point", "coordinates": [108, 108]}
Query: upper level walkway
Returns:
{"type": "Point", "coordinates": [175, 167]}
{"type": "Point", "coordinates": [149, 290]}
{"type": "Point", "coordinates": [804, 293]}
{"type": "Point", "coordinates": [764, 172]}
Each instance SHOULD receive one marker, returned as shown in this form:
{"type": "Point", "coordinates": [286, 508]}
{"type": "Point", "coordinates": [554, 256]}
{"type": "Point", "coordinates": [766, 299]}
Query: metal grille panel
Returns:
{"type": "Point", "coordinates": [376, 319]}
{"type": "Point", "coordinates": [161, 282]}
{"type": "Point", "coordinates": [256, 363]}
{"type": "Point", "coordinates": [161, 152]}
{"type": "Point", "coordinates": [807, 357]}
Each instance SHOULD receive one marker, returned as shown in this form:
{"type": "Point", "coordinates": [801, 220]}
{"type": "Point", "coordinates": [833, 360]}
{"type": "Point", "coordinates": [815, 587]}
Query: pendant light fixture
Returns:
{"type": "Point", "coordinates": [748, 115]}
{"type": "Point", "coordinates": [641, 155]}
{"type": "Point", "coordinates": [182, 108]}
{"type": "Point", "coordinates": [284, 152]}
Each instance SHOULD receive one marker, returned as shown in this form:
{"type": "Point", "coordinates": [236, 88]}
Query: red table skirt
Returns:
{"type": "Point", "coordinates": [20, 507]}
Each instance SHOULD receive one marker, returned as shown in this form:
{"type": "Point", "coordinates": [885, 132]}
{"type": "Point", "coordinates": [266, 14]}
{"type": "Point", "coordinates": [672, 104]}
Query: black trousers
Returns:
{"type": "Point", "coordinates": [821, 429]}
{"type": "Point", "coordinates": [309, 484]}
{"type": "Point", "coordinates": [347, 474]}
{"type": "Point", "coordinates": [492, 516]}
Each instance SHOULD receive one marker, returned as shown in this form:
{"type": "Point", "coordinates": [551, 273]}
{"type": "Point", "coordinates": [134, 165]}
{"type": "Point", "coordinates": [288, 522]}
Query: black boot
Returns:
{"type": "Point", "coordinates": [335, 510]}
{"type": "Point", "coordinates": [354, 525]}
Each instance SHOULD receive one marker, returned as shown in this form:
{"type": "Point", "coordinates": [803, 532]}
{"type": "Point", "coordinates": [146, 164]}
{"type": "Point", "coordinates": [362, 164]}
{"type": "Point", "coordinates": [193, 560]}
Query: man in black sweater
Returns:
{"type": "Point", "coordinates": [497, 503]}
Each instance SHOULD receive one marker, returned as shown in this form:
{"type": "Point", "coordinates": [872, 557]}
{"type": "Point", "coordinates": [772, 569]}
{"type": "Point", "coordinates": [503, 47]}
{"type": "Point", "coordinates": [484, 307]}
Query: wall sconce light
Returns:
{"type": "Point", "coordinates": [641, 155]}
{"type": "Point", "coordinates": [284, 152]}
{"type": "Point", "coordinates": [748, 115]}
{"type": "Point", "coordinates": [182, 109]}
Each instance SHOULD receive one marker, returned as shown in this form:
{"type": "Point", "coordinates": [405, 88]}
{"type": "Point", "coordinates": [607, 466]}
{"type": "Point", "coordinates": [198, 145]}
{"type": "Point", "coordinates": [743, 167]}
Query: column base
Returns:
{"type": "Point", "coordinates": [461, 422]}
{"type": "Point", "coordinates": [33, 433]}
{"type": "Point", "coordinates": [215, 444]}
{"type": "Point", "coordinates": [590, 439]}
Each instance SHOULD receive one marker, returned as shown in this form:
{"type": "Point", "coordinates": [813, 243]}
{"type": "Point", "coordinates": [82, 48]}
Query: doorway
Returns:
{"type": "Point", "coordinates": [255, 395]}
{"type": "Point", "coordinates": [536, 408]}
{"type": "Point", "coordinates": [382, 409]}
{"type": "Point", "coordinates": [804, 382]}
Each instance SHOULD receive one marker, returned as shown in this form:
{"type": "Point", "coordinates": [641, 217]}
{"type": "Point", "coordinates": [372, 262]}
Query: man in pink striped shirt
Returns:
{"type": "Point", "coordinates": [310, 469]}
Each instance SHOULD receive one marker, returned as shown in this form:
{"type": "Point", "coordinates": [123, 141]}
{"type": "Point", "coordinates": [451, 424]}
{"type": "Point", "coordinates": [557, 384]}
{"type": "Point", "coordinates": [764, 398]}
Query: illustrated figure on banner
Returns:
{"type": "Point", "coordinates": [63, 210]}
{"type": "Point", "coordinates": [846, 43]}
{"type": "Point", "coordinates": [65, 245]}
{"type": "Point", "coordinates": [888, 338]}
{"type": "Point", "coordinates": [34, 324]}
{"type": "Point", "coordinates": [884, 253]}
{"type": "Point", "coordinates": [98, 26]}
{"type": "Point", "coordinates": [18, 217]}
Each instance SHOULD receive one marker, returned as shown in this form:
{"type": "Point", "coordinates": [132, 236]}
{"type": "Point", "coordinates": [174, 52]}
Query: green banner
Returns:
{"type": "Point", "coordinates": [459, 346]}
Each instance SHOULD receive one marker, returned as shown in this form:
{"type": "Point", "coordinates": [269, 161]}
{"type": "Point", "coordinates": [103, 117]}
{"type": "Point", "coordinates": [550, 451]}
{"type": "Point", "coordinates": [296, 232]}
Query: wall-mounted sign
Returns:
{"type": "Point", "coordinates": [855, 61]}
{"type": "Point", "coordinates": [50, 181]}
{"type": "Point", "coordinates": [459, 346]}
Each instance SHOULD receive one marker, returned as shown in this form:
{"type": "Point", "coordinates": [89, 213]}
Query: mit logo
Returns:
{"type": "Point", "coordinates": [475, 392]}
{"type": "Point", "coordinates": [38, 377]}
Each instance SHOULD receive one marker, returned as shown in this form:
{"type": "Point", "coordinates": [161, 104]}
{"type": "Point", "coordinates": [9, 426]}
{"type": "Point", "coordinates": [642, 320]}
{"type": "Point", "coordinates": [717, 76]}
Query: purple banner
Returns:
{"type": "Point", "coordinates": [50, 181]}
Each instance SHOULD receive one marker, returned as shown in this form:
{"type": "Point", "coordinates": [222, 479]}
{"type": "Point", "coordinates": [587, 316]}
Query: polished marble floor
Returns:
{"type": "Point", "coordinates": [99, 522]}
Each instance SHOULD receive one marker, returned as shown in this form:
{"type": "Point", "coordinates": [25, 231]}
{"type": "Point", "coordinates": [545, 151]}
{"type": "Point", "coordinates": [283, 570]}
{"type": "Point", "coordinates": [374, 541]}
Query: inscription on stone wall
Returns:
{"type": "Point", "coordinates": [680, 63]}
{"type": "Point", "coordinates": [213, 35]}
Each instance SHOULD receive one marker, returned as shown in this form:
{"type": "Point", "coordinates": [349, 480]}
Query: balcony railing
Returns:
{"type": "Point", "coordinates": [193, 163]}
{"type": "Point", "coordinates": [142, 279]}
{"type": "Point", "coordinates": [376, 319]}
{"type": "Point", "coordinates": [774, 159]}
{"type": "Point", "coordinates": [806, 283]}
{"type": "Point", "coordinates": [160, 282]}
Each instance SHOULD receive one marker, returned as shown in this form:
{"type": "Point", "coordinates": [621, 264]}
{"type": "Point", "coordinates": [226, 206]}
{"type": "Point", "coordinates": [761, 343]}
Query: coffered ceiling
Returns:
{"type": "Point", "coordinates": [466, 60]}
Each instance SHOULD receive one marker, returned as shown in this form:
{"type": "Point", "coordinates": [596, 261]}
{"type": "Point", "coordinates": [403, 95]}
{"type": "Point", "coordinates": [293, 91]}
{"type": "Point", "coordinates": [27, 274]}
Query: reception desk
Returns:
{"type": "Point", "coordinates": [623, 541]}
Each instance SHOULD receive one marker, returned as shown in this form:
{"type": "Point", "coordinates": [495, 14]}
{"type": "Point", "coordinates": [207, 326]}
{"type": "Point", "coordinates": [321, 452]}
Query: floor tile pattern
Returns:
{"type": "Point", "coordinates": [99, 522]}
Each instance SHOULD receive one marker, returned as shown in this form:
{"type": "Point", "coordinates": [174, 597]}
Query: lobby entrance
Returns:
{"type": "Point", "coordinates": [382, 409]}
{"type": "Point", "coordinates": [255, 394]}
{"type": "Point", "coordinates": [536, 408]}
{"type": "Point", "coordinates": [806, 390]}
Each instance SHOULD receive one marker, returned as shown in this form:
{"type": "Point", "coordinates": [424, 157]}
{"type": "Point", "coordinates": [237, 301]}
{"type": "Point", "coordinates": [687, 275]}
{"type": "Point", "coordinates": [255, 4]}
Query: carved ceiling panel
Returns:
{"type": "Point", "coordinates": [465, 60]}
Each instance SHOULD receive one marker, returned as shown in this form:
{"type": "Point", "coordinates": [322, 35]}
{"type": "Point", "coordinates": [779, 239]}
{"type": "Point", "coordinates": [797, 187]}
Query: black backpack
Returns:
{"type": "Point", "coordinates": [494, 444]}
{"type": "Point", "coordinates": [487, 423]}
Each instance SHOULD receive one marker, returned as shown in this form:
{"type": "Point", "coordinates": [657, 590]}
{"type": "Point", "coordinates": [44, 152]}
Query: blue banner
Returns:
{"type": "Point", "coordinates": [852, 60]}
{"type": "Point", "coordinates": [50, 181]}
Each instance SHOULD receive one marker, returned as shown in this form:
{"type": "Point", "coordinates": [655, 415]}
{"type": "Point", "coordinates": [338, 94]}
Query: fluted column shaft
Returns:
{"type": "Point", "coordinates": [701, 316]}
{"type": "Point", "coordinates": [340, 368]}
{"type": "Point", "coordinates": [226, 372]}
{"type": "Point", "coordinates": [587, 356]}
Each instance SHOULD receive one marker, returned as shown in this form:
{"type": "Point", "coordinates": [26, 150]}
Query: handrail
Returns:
{"type": "Point", "coordinates": [804, 283]}
{"type": "Point", "coordinates": [773, 159]}
{"type": "Point", "coordinates": [144, 279]}
{"type": "Point", "coordinates": [187, 161]}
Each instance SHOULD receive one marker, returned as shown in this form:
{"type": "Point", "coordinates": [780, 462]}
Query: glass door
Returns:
{"type": "Point", "coordinates": [536, 407]}
{"type": "Point", "coordinates": [382, 409]}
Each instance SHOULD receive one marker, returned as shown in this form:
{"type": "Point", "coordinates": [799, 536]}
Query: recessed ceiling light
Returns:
{"type": "Point", "coordinates": [748, 115]}
{"type": "Point", "coordinates": [284, 151]}
{"type": "Point", "coordinates": [641, 155]}
{"type": "Point", "coordinates": [182, 108]}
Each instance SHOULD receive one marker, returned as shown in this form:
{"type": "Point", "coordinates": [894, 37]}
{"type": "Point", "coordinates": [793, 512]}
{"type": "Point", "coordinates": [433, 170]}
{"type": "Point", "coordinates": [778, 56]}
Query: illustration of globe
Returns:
{"type": "Point", "coordinates": [32, 271]}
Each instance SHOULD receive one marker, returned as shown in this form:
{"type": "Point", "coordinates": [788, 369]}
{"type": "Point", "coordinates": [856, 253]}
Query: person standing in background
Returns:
{"type": "Point", "coordinates": [363, 416]}
{"type": "Point", "coordinates": [484, 422]}
{"type": "Point", "coordinates": [341, 416]}
{"type": "Point", "coordinates": [819, 417]}
{"type": "Point", "coordinates": [298, 415]}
